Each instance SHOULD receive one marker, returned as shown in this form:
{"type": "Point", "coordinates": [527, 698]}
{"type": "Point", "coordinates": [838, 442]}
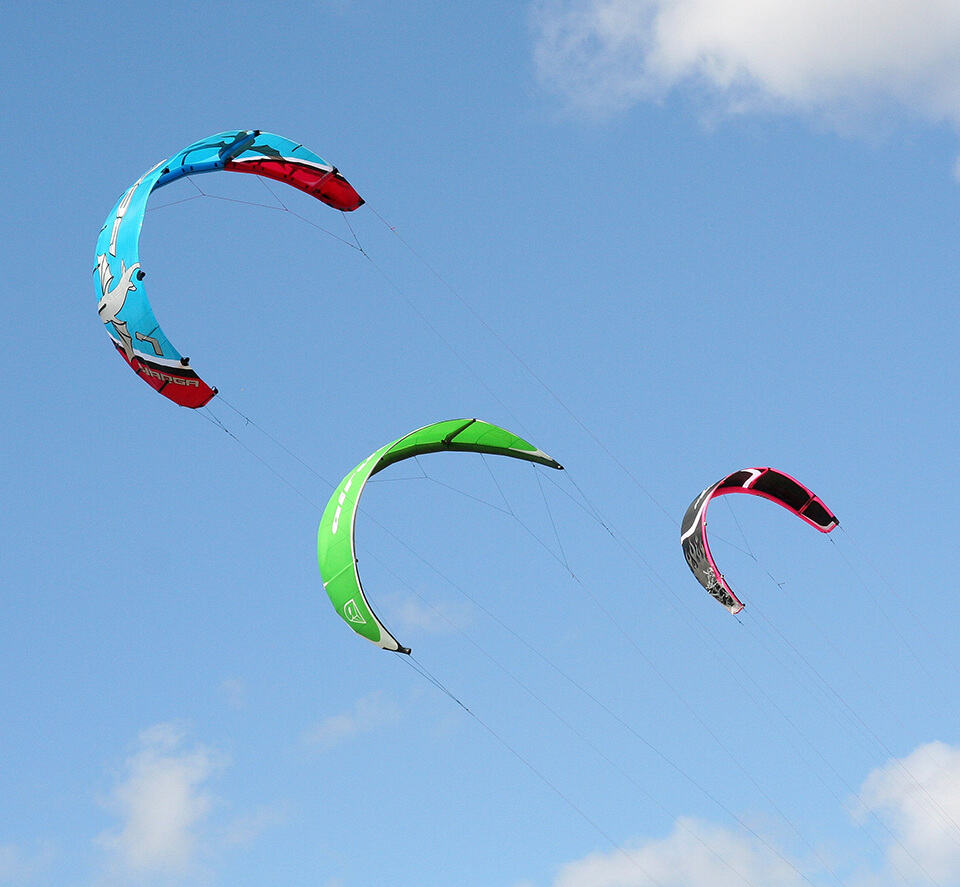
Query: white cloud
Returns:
{"type": "Point", "coordinates": [161, 803]}
{"type": "Point", "coordinates": [416, 614]}
{"type": "Point", "coordinates": [19, 868]}
{"type": "Point", "coordinates": [235, 692]}
{"type": "Point", "coordinates": [246, 828]}
{"type": "Point", "coordinates": [919, 798]}
{"type": "Point", "coordinates": [692, 855]}
{"type": "Point", "coordinates": [838, 61]}
{"type": "Point", "coordinates": [367, 714]}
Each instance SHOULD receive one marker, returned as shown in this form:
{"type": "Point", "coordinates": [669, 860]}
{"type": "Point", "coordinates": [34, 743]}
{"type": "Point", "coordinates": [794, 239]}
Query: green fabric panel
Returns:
{"type": "Point", "coordinates": [336, 549]}
{"type": "Point", "coordinates": [466, 435]}
{"type": "Point", "coordinates": [337, 558]}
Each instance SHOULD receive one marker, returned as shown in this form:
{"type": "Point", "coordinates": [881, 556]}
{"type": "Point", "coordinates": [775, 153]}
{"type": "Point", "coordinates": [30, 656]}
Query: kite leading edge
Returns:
{"type": "Point", "coordinates": [765, 482]}
{"type": "Point", "coordinates": [336, 548]}
{"type": "Point", "coordinates": [119, 280]}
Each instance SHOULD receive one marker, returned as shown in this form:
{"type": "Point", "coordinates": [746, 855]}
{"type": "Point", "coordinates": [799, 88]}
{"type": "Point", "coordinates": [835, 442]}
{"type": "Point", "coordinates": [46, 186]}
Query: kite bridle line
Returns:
{"type": "Point", "coordinates": [789, 659]}
{"type": "Point", "coordinates": [576, 685]}
{"type": "Point", "coordinates": [356, 245]}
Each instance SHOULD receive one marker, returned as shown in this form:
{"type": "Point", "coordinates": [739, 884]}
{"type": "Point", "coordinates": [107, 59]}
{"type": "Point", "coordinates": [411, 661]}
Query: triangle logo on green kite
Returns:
{"type": "Point", "coordinates": [351, 612]}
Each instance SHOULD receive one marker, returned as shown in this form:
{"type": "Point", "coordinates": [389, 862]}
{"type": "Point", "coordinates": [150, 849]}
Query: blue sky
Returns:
{"type": "Point", "coordinates": [663, 241]}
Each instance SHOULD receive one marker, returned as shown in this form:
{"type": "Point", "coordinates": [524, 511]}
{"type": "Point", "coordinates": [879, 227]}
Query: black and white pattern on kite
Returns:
{"type": "Point", "coordinates": [764, 482]}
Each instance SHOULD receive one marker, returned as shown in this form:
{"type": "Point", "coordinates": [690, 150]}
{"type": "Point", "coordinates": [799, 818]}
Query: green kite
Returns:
{"type": "Point", "coordinates": [336, 549]}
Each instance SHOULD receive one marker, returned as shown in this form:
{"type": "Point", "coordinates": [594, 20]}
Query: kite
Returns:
{"type": "Point", "coordinates": [336, 550]}
{"type": "Point", "coordinates": [123, 305]}
{"type": "Point", "coordinates": [765, 482]}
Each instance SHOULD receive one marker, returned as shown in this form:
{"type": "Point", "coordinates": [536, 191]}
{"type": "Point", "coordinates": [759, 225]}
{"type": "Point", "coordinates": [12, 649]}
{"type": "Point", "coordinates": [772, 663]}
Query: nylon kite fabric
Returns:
{"type": "Point", "coordinates": [119, 279]}
{"type": "Point", "coordinates": [767, 483]}
{"type": "Point", "coordinates": [336, 546]}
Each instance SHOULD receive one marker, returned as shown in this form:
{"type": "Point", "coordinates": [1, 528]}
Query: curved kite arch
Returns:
{"type": "Point", "coordinates": [123, 305]}
{"type": "Point", "coordinates": [336, 547]}
{"type": "Point", "coordinates": [765, 482]}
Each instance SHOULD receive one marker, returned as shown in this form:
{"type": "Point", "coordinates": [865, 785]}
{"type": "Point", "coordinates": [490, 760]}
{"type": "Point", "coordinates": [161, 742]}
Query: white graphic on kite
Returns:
{"type": "Point", "coordinates": [112, 300]}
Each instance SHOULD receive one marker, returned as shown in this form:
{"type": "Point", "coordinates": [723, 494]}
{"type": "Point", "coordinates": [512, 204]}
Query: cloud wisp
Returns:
{"type": "Point", "coordinates": [18, 868]}
{"type": "Point", "coordinates": [916, 797]}
{"type": "Point", "coordinates": [694, 853]}
{"type": "Point", "coordinates": [919, 798]}
{"type": "Point", "coordinates": [367, 714]}
{"type": "Point", "coordinates": [842, 63]}
{"type": "Point", "coordinates": [161, 803]}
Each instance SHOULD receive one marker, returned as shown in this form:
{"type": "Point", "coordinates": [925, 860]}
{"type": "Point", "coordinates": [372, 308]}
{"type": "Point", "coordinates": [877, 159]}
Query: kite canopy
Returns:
{"type": "Point", "coordinates": [123, 304]}
{"type": "Point", "coordinates": [336, 549]}
{"type": "Point", "coordinates": [765, 482]}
